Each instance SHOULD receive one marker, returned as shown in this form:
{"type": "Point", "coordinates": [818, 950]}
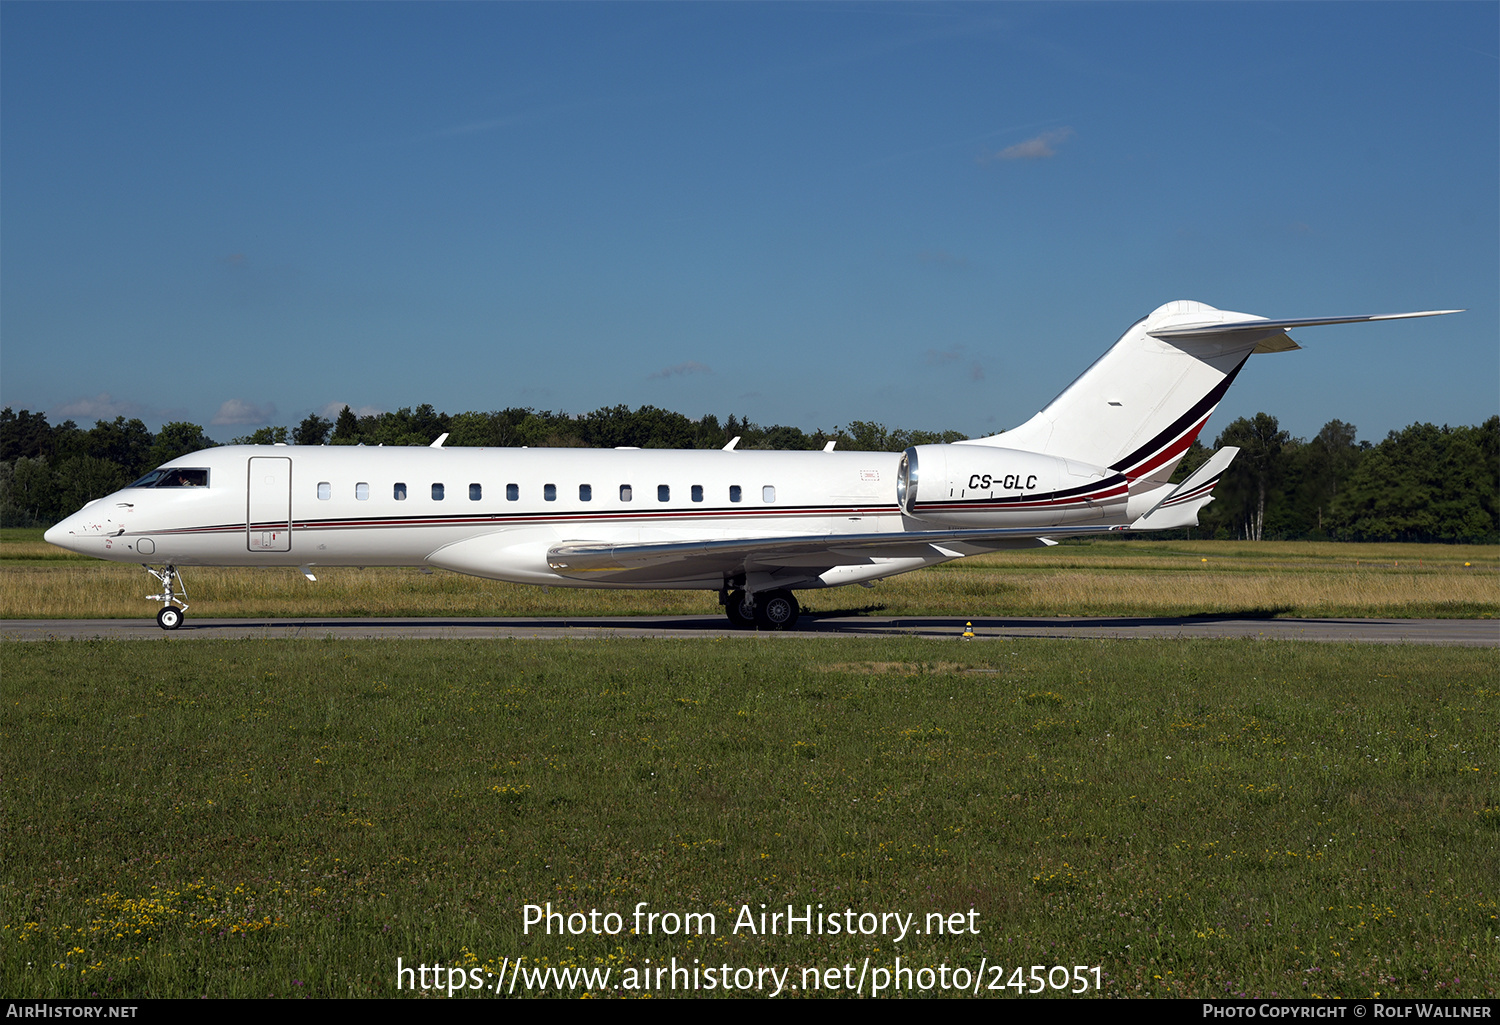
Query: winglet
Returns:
{"type": "Point", "coordinates": [1181, 506]}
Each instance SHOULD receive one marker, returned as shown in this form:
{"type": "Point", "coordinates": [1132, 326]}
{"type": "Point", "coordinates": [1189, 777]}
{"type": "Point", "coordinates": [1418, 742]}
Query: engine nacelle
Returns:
{"type": "Point", "coordinates": [986, 486]}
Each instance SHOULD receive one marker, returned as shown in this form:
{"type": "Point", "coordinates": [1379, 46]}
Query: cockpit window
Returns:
{"type": "Point", "coordinates": [174, 477]}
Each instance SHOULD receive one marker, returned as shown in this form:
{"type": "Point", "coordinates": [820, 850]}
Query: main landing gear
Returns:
{"type": "Point", "coordinates": [769, 610]}
{"type": "Point", "coordinates": [173, 597]}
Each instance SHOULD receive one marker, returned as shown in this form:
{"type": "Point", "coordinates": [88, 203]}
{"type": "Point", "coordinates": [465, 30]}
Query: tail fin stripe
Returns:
{"type": "Point", "coordinates": [1188, 424]}
{"type": "Point", "coordinates": [1168, 455]}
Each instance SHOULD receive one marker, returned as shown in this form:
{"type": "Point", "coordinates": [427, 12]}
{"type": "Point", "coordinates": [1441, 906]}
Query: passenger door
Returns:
{"type": "Point", "coordinates": [268, 512]}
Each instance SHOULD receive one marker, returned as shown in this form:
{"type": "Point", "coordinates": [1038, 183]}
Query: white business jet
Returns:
{"type": "Point", "coordinates": [753, 526]}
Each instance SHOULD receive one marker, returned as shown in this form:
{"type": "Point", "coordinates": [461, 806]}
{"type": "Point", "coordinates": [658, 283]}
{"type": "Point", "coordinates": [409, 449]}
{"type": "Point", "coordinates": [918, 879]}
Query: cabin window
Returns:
{"type": "Point", "coordinates": [663, 493]}
{"type": "Point", "coordinates": [362, 491]}
{"type": "Point", "coordinates": [625, 493]}
{"type": "Point", "coordinates": [325, 490]}
{"type": "Point", "coordinates": [437, 492]}
{"type": "Point", "coordinates": [398, 492]}
{"type": "Point", "coordinates": [475, 492]}
{"type": "Point", "coordinates": [512, 492]}
{"type": "Point", "coordinates": [585, 492]}
{"type": "Point", "coordinates": [734, 493]}
{"type": "Point", "coordinates": [549, 492]}
{"type": "Point", "coordinates": [768, 494]}
{"type": "Point", "coordinates": [697, 492]}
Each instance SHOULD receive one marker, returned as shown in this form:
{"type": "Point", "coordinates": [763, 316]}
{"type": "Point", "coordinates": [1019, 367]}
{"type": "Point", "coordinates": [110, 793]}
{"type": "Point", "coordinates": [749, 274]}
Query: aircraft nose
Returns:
{"type": "Point", "coordinates": [58, 535]}
{"type": "Point", "coordinates": [74, 534]}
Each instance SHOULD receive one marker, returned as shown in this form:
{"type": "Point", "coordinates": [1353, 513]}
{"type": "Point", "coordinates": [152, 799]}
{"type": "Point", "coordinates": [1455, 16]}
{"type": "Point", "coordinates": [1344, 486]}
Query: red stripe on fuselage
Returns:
{"type": "Point", "coordinates": [534, 519]}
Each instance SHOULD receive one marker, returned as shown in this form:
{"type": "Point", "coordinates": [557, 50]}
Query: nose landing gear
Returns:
{"type": "Point", "coordinates": [173, 597]}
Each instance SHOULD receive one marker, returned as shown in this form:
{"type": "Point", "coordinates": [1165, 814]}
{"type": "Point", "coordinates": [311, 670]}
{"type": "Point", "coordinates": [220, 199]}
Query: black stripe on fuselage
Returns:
{"type": "Point", "coordinates": [531, 519]}
{"type": "Point", "coordinates": [1109, 488]}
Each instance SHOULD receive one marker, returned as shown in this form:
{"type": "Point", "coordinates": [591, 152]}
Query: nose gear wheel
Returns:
{"type": "Point", "coordinates": [173, 597]}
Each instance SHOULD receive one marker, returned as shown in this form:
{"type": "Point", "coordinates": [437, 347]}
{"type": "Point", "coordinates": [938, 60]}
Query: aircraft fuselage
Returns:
{"type": "Point", "coordinates": [752, 525]}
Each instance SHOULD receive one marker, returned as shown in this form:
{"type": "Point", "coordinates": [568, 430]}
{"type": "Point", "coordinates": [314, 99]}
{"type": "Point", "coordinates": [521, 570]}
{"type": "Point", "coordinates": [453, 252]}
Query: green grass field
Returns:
{"type": "Point", "coordinates": [1105, 578]}
{"type": "Point", "coordinates": [267, 818]}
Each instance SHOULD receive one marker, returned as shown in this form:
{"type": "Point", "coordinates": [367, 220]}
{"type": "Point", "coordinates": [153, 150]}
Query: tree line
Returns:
{"type": "Point", "coordinates": [1424, 483]}
{"type": "Point", "coordinates": [48, 471]}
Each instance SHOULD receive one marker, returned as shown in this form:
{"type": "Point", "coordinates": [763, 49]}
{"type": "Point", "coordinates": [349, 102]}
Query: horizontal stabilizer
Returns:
{"type": "Point", "coordinates": [1257, 324]}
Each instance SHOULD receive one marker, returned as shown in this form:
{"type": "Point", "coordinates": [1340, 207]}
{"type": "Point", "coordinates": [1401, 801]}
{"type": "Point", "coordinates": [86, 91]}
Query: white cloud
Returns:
{"type": "Point", "coordinates": [692, 366]}
{"type": "Point", "coordinates": [941, 358]}
{"type": "Point", "coordinates": [1035, 148]}
{"type": "Point", "coordinates": [942, 259]}
{"type": "Point", "coordinates": [333, 409]}
{"type": "Point", "coordinates": [478, 127]}
{"type": "Point", "coordinates": [238, 411]}
{"type": "Point", "coordinates": [103, 406]}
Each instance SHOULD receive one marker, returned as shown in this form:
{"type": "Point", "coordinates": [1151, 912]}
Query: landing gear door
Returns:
{"type": "Point", "coordinates": [268, 514]}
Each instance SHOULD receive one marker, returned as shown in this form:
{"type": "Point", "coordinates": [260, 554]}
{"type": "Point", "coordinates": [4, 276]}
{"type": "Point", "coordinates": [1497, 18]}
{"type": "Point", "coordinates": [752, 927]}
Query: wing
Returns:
{"type": "Point", "coordinates": [807, 555]}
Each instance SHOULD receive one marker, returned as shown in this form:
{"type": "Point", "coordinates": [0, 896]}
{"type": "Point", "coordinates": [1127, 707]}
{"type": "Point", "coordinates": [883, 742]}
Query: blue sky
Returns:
{"type": "Point", "coordinates": [928, 215]}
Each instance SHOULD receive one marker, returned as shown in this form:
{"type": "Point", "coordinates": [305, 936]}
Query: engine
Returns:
{"type": "Point", "coordinates": [985, 486]}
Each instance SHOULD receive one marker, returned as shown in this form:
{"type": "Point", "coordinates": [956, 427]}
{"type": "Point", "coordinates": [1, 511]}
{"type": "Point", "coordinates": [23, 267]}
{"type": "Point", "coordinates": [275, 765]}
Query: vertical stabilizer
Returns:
{"type": "Point", "coordinates": [1141, 404]}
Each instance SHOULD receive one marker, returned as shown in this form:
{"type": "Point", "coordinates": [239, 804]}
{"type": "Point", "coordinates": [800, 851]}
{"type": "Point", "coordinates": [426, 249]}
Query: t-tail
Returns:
{"type": "Point", "coordinates": [1117, 433]}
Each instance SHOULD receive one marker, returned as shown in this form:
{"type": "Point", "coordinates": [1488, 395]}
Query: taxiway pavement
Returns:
{"type": "Point", "coordinates": [1466, 632]}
